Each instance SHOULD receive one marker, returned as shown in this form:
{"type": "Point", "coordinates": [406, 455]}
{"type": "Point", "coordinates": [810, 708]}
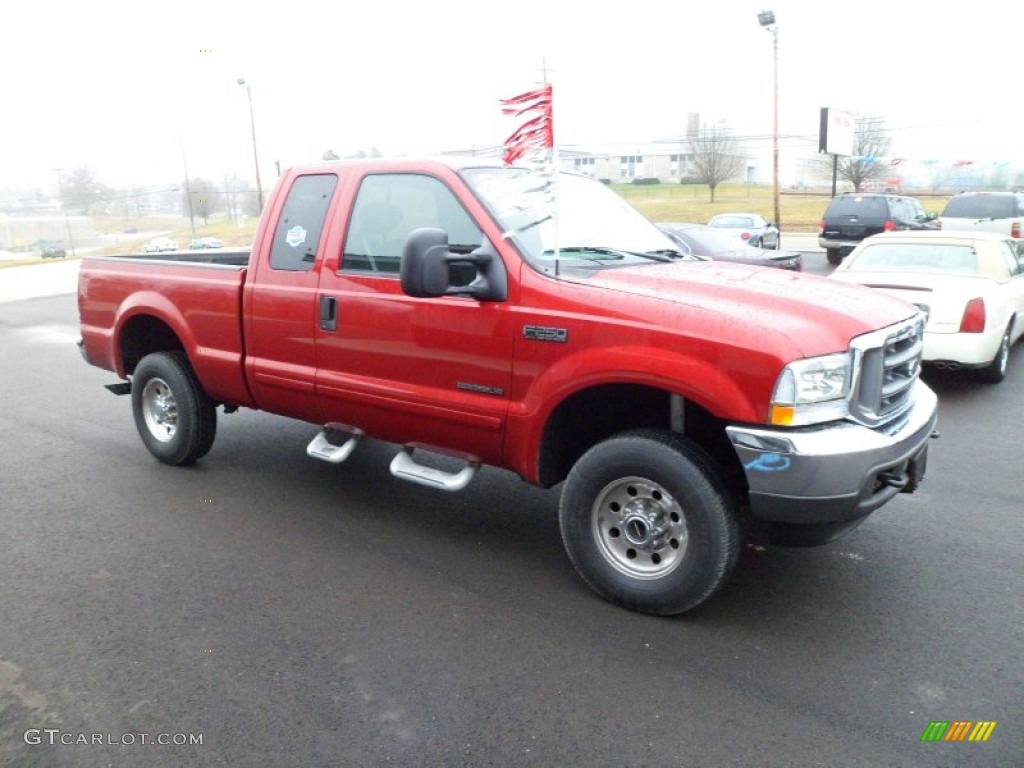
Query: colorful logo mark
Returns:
{"type": "Point", "coordinates": [958, 730]}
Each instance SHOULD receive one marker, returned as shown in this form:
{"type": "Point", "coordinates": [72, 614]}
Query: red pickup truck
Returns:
{"type": "Point", "coordinates": [449, 307]}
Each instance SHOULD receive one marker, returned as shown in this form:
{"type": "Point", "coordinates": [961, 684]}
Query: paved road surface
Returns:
{"type": "Point", "coordinates": [292, 613]}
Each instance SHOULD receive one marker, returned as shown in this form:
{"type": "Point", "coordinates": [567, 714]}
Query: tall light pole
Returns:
{"type": "Point", "coordinates": [255, 157]}
{"type": "Point", "coordinates": [64, 205]}
{"type": "Point", "coordinates": [767, 20]}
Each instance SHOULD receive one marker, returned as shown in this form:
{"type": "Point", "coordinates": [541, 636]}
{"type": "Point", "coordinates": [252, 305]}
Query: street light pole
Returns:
{"type": "Point", "coordinates": [255, 157]}
{"type": "Point", "coordinates": [767, 20]}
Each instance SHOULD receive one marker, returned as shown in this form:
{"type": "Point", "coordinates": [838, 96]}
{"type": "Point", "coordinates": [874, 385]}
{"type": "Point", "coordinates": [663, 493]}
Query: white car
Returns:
{"type": "Point", "coordinates": [752, 228]}
{"type": "Point", "coordinates": [159, 245]}
{"type": "Point", "coordinates": [970, 284]}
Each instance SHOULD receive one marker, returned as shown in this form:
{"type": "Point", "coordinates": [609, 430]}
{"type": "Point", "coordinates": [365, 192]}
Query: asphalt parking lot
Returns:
{"type": "Point", "coordinates": [263, 608]}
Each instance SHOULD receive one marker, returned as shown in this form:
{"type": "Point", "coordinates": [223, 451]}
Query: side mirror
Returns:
{"type": "Point", "coordinates": [426, 269]}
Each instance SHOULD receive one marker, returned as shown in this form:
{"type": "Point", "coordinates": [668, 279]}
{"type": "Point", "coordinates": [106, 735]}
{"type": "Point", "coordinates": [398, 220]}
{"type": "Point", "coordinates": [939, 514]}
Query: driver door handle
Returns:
{"type": "Point", "coordinates": [328, 313]}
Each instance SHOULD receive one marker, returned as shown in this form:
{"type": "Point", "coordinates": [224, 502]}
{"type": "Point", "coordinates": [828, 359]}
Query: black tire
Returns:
{"type": "Point", "coordinates": [175, 418]}
{"type": "Point", "coordinates": [834, 256]}
{"type": "Point", "coordinates": [995, 371]}
{"type": "Point", "coordinates": [648, 523]}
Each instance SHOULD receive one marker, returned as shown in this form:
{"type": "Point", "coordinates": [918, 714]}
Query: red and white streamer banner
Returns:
{"type": "Point", "coordinates": [538, 131]}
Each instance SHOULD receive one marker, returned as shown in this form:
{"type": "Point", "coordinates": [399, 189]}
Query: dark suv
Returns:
{"type": "Point", "coordinates": [853, 216]}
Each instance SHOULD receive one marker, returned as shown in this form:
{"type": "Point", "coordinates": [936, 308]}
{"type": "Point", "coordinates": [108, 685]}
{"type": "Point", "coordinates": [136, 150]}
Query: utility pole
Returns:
{"type": "Point", "coordinates": [64, 206]}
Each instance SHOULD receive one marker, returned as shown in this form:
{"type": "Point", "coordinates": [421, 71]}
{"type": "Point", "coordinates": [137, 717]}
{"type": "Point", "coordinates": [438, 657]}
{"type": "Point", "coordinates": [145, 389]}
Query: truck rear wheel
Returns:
{"type": "Point", "coordinates": [175, 418]}
{"type": "Point", "coordinates": [648, 523]}
{"type": "Point", "coordinates": [834, 256]}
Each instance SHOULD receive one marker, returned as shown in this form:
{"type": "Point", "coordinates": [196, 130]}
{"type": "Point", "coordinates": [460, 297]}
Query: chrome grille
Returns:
{"type": "Point", "coordinates": [888, 363]}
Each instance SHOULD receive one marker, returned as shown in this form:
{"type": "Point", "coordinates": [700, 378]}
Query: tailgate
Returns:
{"type": "Point", "coordinates": [129, 307]}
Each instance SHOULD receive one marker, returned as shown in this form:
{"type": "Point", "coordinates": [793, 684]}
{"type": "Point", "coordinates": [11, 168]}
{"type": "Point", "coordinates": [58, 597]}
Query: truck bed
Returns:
{"type": "Point", "coordinates": [231, 258]}
{"type": "Point", "coordinates": [196, 297]}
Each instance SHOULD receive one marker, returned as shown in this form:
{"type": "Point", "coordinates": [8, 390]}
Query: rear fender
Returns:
{"type": "Point", "coordinates": [152, 304]}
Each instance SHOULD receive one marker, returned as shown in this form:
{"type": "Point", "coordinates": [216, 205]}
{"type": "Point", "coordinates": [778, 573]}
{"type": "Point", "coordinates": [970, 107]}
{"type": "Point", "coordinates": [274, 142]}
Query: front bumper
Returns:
{"type": "Point", "coordinates": [832, 476]}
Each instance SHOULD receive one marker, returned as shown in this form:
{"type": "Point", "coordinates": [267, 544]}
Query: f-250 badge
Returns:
{"type": "Point", "coordinates": [546, 333]}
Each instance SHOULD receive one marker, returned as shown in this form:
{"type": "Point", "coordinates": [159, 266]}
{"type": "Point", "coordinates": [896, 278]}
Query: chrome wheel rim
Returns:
{"type": "Point", "coordinates": [640, 529]}
{"type": "Point", "coordinates": [159, 410]}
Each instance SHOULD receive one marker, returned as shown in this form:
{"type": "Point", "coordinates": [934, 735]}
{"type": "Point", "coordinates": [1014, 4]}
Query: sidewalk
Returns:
{"type": "Point", "coordinates": [801, 241]}
{"type": "Point", "coordinates": [33, 281]}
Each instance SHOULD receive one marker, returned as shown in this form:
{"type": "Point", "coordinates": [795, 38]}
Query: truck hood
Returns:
{"type": "Point", "coordinates": [817, 314]}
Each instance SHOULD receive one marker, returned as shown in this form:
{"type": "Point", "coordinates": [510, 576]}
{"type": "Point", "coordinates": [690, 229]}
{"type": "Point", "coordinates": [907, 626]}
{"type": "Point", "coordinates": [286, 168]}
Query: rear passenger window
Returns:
{"type": "Point", "coordinates": [982, 206]}
{"type": "Point", "coordinates": [297, 236]}
{"type": "Point", "coordinates": [857, 205]}
{"type": "Point", "coordinates": [1011, 256]}
{"type": "Point", "coordinates": [388, 207]}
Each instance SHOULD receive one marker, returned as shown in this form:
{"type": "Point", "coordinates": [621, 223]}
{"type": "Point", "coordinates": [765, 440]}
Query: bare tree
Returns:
{"type": "Point", "coordinates": [81, 190]}
{"type": "Point", "coordinates": [871, 142]}
{"type": "Point", "coordinates": [206, 198]}
{"type": "Point", "coordinates": [716, 157]}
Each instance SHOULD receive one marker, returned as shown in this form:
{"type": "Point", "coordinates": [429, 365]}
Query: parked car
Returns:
{"type": "Point", "coordinates": [201, 243]}
{"type": "Point", "coordinates": [54, 252]}
{"type": "Point", "coordinates": [159, 245]}
{"type": "Point", "coordinates": [970, 285]}
{"type": "Point", "coordinates": [707, 243]}
{"type": "Point", "coordinates": [752, 228]}
{"type": "Point", "coordinates": [1001, 212]}
{"type": "Point", "coordinates": [851, 217]}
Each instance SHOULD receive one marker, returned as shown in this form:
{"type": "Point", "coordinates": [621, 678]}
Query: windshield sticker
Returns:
{"type": "Point", "coordinates": [296, 236]}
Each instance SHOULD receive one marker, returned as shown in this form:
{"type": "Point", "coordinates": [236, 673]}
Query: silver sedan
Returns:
{"type": "Point", "coordinates": [752, 228]}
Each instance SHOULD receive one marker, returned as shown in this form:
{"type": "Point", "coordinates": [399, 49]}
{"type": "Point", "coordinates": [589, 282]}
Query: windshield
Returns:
{"type": "Point", "coordinates": [732, 221]}
{"type": "Point", "coordinates": [707, 242]}
{"type": "Point", "coordinates": [589, 221]}
{"type": "Point", "coordinates": [913, 257]}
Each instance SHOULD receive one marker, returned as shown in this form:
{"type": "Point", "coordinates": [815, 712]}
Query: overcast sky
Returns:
{"type": "Point", "coordinates": [121, 87]}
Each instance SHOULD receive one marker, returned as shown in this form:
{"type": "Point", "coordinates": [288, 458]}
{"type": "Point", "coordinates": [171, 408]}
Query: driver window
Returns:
{"type": "Point", "coordinates": [388, 207]}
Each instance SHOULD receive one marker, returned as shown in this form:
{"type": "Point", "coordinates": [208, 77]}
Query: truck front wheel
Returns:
{"type": "Point", "coordinates": [648, 523]}
{"type": "Point", "coordinates": [175, 418]}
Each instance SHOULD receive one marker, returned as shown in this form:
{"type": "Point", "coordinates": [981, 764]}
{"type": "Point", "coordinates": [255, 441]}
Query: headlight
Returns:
{"type": "Point", "coordinates": [812, 390]}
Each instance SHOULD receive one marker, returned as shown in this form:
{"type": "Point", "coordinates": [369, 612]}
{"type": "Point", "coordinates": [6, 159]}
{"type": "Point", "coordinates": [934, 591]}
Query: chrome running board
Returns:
{"type": "Point", "coordinates": [405, 467]}
{"type": "Point", "coordinates": [323, 449]}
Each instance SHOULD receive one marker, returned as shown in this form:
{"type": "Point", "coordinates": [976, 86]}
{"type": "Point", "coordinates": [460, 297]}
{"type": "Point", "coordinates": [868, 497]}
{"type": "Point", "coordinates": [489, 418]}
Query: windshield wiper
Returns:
{"type": "Point", "coordinates": [671, 253]}
{"type": "Point", "coordinates": [525, 227]}
{"type": "Point", "coordinates": [603, 253]}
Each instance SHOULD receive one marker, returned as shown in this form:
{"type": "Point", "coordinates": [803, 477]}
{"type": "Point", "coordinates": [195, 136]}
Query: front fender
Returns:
{"type": "Point", "coordinates": [716, 388]}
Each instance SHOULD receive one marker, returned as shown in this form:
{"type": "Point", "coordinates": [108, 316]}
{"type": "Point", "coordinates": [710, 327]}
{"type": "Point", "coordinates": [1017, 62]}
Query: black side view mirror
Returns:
{"type": "Point", "coordinates": [427, 268]}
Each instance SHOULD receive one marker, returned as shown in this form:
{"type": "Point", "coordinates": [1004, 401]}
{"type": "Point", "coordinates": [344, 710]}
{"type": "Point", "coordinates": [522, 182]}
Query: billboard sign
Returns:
{"type": "Point", "coordinates": [836, 133]}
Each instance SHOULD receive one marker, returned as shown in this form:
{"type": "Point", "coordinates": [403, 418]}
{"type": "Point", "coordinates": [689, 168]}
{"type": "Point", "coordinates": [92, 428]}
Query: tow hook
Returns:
{"type": "Point", "coordinates": [894, 478]}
